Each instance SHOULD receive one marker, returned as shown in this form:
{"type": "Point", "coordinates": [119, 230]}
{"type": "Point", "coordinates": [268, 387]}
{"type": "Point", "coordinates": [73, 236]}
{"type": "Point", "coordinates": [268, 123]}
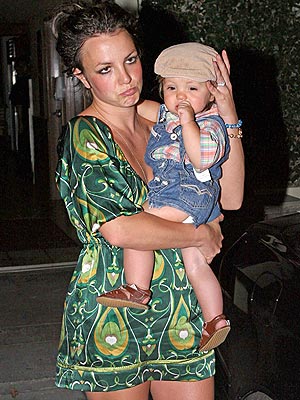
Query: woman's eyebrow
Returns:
{"type": "Point", "coordinates": [130, 54]}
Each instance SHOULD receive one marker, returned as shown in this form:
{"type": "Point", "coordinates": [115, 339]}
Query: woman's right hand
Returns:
{"type": "Point", "coordinates": [211, 237]}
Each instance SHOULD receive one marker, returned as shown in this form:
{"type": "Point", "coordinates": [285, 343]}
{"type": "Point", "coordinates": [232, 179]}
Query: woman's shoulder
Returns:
{"type": "Point", "coordinates": [85, 119]}
{"type": "Point", "coordinates": [88, 122]}
{"type": "Point", "coordinates": [89, 130]}
{"type": "Point", "coordinates": [148, 109]}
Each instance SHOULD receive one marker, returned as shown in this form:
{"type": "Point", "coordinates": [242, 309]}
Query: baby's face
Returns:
{"type": "Point", "coordinates": [176, 90]}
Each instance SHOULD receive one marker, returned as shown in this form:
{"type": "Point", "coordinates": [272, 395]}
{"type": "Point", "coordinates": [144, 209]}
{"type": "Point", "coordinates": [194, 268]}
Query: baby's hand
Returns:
{"type": "Point", "coordinates": [185, 112]}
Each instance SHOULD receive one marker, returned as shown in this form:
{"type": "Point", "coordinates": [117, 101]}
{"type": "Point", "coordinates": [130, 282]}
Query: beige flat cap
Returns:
{"type": "Point", "coordinates": [187, 60]}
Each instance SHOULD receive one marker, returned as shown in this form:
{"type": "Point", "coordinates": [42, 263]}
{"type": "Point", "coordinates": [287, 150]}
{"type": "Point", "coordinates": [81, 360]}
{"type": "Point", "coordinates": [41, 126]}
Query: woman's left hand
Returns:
{"type": "Point", "coordinates": [222, 89]}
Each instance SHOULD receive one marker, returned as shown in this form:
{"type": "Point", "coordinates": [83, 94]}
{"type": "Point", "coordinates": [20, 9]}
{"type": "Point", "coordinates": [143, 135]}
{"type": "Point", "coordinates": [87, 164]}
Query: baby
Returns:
{"type": "Point", "coordinates": [186, 148]}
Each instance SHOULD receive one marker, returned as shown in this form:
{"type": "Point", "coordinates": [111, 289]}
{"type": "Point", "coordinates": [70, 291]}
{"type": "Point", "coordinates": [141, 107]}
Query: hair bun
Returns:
{"type": "Point", "coordinates": [61, 13]}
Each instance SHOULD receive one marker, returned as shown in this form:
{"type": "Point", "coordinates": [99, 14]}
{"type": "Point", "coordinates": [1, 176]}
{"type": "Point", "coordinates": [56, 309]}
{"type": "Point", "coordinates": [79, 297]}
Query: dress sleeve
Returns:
{"type": "Point", "coordinates": [93, 177]}
{"type": "Point", "coordinates": [212, 142]}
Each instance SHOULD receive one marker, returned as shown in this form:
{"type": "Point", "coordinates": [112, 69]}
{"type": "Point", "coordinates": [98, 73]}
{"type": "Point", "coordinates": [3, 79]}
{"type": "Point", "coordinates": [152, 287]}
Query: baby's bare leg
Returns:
{"type": "Point", "coordinates": [166, 212]}
{"type": "Point", "coordinates": [138, 267]}
{"type": "Point", "coordinates": [200, 275]}
{"type": "Point", "coordinates": [204, 282]}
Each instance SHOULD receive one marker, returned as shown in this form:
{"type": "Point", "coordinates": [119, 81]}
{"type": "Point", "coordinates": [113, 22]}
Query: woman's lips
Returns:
{"type": "Point", "coordinates": [129, 92]}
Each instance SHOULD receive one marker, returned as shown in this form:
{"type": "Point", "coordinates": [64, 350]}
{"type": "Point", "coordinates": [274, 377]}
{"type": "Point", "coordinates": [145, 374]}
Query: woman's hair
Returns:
{"type": "Point", "coordinates": [74, 23]}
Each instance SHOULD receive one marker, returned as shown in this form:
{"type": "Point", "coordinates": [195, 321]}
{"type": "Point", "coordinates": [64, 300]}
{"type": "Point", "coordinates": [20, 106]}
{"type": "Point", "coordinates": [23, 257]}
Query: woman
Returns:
{"type": "Point", "coordinates": [126, 353]}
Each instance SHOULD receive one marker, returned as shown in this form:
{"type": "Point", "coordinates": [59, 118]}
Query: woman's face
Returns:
{"type": "Point", "coordinates": [112, 69]}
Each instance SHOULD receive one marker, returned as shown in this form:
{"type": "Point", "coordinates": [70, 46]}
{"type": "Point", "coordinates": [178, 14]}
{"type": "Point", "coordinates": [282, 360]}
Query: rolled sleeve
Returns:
{"type": "Point", "coordinates": [93, 178]}
{"type": "Point", "coordinates": [212, 143]}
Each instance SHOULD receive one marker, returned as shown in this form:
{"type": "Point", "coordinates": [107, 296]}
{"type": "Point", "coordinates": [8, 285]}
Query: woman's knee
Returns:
{"type": "Point", "coordinates": [178, 390]}
{"type": "Point", "coordinates": [139, 392]}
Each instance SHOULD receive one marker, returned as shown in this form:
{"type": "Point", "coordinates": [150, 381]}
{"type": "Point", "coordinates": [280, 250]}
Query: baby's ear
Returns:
{"type": "Point", "coordinates": [79, 74]}
{"type": "Point", "coordinates": [212, 98]}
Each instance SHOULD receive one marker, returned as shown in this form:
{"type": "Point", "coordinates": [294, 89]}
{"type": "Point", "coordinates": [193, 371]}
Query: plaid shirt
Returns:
{"type": "Point", "coordinates": [212, 141]}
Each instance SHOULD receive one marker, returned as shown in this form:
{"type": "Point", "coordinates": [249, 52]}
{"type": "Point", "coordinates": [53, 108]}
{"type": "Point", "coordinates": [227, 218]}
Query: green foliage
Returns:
{"type": "Point", "coordinates": [266, 27]}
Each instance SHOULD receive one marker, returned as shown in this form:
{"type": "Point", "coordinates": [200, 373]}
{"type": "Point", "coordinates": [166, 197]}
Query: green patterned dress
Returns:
{"type": "Point", "coordinates": [107, 349]}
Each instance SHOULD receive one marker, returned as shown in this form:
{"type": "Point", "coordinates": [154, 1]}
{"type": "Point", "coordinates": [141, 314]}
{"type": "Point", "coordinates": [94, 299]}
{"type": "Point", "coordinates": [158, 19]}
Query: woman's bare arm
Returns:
{"type": "Point", "coordinates": [143, 231]}
{"type": "Point", "coordinates": [148, 109]}
{"type": "Point", "coordinates": [233, 170]}
{"type": "Point", "coordinates": [233, 175]}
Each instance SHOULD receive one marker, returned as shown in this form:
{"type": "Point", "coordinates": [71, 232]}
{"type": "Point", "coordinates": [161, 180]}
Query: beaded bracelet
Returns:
{"type": "Point", "coordinates": [239, 135]}
{"type": "Point", "coordinates": [237, 125]}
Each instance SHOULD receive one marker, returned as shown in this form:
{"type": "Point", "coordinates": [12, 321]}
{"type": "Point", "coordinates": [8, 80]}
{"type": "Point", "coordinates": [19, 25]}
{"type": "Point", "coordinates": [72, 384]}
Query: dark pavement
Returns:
{"type": "Point", "coordinates": [31, 310]}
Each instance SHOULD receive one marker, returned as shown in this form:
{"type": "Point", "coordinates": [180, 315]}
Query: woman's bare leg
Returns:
{"type": "Point", "coordinates": [140, 392]}
{"type": "Point", "coordinates": [166, 390]}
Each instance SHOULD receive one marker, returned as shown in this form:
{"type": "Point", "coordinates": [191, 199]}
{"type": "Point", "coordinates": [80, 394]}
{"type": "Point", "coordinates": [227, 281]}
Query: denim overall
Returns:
{"type": "Point", "coordinates": [175, 183]}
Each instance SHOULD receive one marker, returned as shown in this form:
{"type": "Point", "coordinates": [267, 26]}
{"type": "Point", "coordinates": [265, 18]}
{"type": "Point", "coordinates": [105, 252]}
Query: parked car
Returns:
{"type": "Point", "coordinates": [260, 278]}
